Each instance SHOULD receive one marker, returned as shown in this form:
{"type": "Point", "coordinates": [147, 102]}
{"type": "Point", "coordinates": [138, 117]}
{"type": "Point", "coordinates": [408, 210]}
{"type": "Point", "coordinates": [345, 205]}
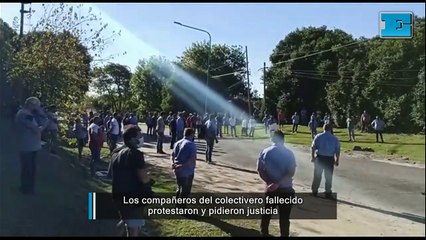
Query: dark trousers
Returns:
{"type": "Point", "coordinates": [173, 140]}
{"type": "Point", "coordinates": [377, 135]}
{"type": "Point", "coordinates": [28, 171]}
{"type": "Point", "coordinates": [284, 211]}
{"type": "Point", "coordinates": [326, 165]}
{"type": "Point", "coordinates": [179, 135]}
{"type": "Point", "coordinates": [219, 131]}
{"type": "Point", "coordinates": [313, 133]}
{"type": "Point", "coordinates": [266, 129]}
{"type": "Point", "coordinates": [295, 126]}
{"type": "Point", "coordinates": [95, 158]}
{"type": "Point", "coordinates": [160, 138]}
{"type": "Point", "coordinates": [113, 142]}
{"type": "Point", "coordinates": [149, 130]}
{"type": "Point", "coordinates": [226, 129]}
{"type": "Point", "coordinates": [184, 185]}
{"type": "Point", "coordinates": [209, 148]}
{"type": "Point", "coordinates": [364, 126]}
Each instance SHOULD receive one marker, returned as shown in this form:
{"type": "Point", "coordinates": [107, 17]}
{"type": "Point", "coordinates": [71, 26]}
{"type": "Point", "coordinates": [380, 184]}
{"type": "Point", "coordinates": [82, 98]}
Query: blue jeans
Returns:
{"type": "Point", "coordinates": [179, 135]}
{"type": "Point", "coordinates": [96, 158]}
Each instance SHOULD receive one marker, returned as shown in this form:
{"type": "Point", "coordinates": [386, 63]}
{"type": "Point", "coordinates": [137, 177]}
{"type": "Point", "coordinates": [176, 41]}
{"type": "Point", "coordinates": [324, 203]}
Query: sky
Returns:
{"type": "Point", "coordinates": [147, 28]}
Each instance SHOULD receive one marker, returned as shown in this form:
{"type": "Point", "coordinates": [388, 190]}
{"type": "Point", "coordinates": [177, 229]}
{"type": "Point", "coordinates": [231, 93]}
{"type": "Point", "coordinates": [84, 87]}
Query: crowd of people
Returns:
{"type": "Point", "coordinates": [276, 164]}
{"type": "Point", "coordinates": [316, 120]}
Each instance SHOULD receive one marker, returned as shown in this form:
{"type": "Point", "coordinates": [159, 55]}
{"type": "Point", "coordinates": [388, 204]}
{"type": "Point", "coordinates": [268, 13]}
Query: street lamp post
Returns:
{"type": "Point", "coordinates": [208, 57]}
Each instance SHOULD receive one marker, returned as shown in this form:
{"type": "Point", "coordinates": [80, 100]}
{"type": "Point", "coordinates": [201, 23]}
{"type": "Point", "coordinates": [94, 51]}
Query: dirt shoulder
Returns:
{"type": "Point", "coordinates": [352, 220]}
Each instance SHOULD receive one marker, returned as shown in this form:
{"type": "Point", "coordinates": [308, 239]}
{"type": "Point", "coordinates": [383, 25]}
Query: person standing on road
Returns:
{"type": "Point", "coordinates": [180, 127]}
{"type": "Point", "coordinates": [184, 157]}
{"type": "Point", "coordinates": [148, 122]}
{"type": "Point", "coordinates": [211, 137]}
{"type": "Point", "coordinates": [276, 166]}
{"type": "Point", "coordinates": [233, 125]}
{"type": "Point", "coordinates": [130, 177]}
{"type": "Point", "coordinates": [219, 124]}
{"type": "Point", "coordinates": [226, 123]}
{"type": "Point", "coordinates": [313, 125]}
{"type": "Point", "coordinates": [378, 126]}
{"type": "Point", "coordinates": [173, 133]}
{"type": "Point", "coordinates": [161, 127]}
{"type": "Point", "coordinates": [265, 123]}
{"type": "Point", "coordinates": [252, 126]}
{"type": "Point", "coordinates": [244, 126]}
{"type": "Point", "coordinates": [325, 155]}
{"type": "Point", "coordinates": [29, 142]}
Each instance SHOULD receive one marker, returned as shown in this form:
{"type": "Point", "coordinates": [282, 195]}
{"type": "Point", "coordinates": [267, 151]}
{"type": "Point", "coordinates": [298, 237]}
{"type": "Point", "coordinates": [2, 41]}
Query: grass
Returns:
{"type": "Point", "coordinates": [409, 146]}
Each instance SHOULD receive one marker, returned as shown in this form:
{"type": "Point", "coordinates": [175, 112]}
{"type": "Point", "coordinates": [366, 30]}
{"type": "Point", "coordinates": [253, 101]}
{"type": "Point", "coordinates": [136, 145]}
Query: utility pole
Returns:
{"type": "Point", "coordinates": [23, 11]}
{"type": "Point", "coordinates": [248, 83]}
{"type": "Point", "coordinates": [264, 84]}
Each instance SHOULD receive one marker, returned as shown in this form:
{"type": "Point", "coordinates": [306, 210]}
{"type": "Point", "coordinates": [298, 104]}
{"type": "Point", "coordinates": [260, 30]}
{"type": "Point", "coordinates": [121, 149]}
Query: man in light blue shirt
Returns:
{"type": "Point", "coordinates": [29, 142]}
{"type": "Point", "coordinates": [326, 147]}
{"type": "Point", "coordinates": [295, 120]}
{"type": "Point", "coordinates": [378, 126]}
{"type": "Point", "coordinates": [276, 166]}
{"type": "Point", "coordinates": [313, 124]}
{"type": "Point", "coordinates": [184, 158]}
{"type": "Point", "coordinates": [180, 127]}
{"type": "Point", "coordinates": [211, 137]}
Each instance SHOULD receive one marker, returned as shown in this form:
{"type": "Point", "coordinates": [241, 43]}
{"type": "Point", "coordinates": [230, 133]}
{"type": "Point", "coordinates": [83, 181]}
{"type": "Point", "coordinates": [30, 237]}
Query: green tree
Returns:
{"type": "Point", "coordinates": [148, 81]}
{"type": "Point", "coordinates": [54, 67]}
{"type": "Point", "coordinates": [302, 80]}
{"type": "Point", "coordinates": [113, 83]}
{"type": "Point", "coordinates": [7, 96]}
{"type": "Point", "coordinates": [55, 57]}
{"type": "Point", "coordinates": [227, 67]}
{"type": "Point", "coordinates": [418, 113]}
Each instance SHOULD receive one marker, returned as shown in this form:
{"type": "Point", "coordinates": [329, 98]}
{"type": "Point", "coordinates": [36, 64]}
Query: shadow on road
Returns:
{"type": "Point", "coordinates": [408, 216]}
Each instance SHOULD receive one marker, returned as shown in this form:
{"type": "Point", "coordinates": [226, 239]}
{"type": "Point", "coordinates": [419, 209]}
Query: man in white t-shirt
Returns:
{"type": "Point", "coordinates": [233, 124]}
{"type": "Point", "coordinates": [244, 126]}
{"type": "Point", "coordinates": [114, 131]}
{"type": "Point", "coordinates": [252, 126]}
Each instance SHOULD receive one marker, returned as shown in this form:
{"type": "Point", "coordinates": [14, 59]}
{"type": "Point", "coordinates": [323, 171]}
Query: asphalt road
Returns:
{"type": "Point", "coordinates": [379, 186]}
{"type": "Point", "coordinates": [372, 184]}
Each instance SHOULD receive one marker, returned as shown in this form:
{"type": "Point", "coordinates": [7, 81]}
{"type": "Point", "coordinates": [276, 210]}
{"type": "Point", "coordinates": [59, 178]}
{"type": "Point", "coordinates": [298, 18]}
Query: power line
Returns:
{"type": "Point", "coordinates": [356, 83]}
{"type": "Point", "coordinates": [313, 54]}
{"type": "Point", "coordinates": [347, 76]}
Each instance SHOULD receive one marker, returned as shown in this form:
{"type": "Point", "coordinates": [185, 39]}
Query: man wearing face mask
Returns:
{"type": "Point", "coordinates": [29, 142]}
{"type": "Point", "coordinates": [183, 159]}
{"type": "Point", "coordinates": [130, 177]}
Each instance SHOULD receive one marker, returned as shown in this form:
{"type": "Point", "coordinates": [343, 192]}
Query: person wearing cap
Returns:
{"type": "Point", "coordinates": [325, 154]}
{"type": "Point", "coordinates": [29, 142]}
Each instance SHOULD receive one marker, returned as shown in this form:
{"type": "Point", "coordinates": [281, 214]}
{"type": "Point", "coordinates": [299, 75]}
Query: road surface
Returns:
{"type": "Point", "coordinates": [380, 186]}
